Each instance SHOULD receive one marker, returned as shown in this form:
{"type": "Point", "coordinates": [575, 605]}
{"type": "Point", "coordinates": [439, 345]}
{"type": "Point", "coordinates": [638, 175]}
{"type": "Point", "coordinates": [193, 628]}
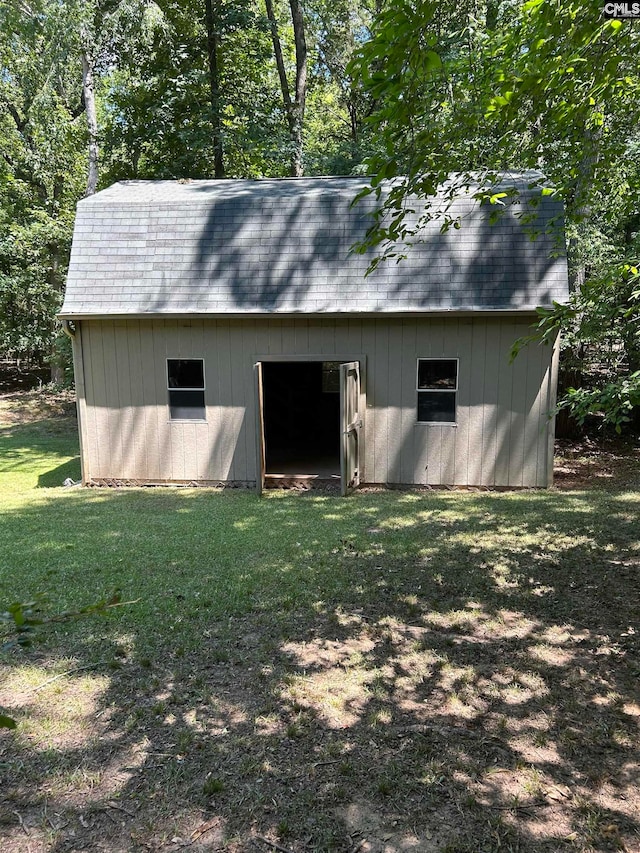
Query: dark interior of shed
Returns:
{"type": "Point", "coordinates": [302, 418]}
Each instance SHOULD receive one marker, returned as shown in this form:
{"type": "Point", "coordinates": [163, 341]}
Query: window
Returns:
{"type": "Point", "coordinates": [185, 381]}
{"type": "Point", "coordinates": [330, 377]}
{"type": "Point", "coordinates": [437, 387]}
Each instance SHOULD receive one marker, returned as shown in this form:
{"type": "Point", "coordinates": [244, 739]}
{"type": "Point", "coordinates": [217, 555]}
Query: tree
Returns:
{"type": "Point", "coordinates": [294, 97]}
{"type": "Point", "coordinates": [191, 97]}
{"type": "Point", "coordinates": [49, 53]}
{"type": "Point", "coordinates": [467, 93]}
{"type": "Point", "coordinates": [94, 91]}
{"type": "Point", "coordinates": [336, 139]}
{"type": "Point", "coordinates": [41, 172]}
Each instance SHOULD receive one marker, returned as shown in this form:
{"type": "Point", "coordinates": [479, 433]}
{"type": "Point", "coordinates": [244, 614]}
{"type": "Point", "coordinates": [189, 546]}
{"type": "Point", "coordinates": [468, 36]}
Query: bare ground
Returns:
{"type": "Point", "coordinates": [603, 462]}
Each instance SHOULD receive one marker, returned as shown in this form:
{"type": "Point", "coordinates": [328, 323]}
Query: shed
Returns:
{"type": "Point", "coordinates": [224, 332]}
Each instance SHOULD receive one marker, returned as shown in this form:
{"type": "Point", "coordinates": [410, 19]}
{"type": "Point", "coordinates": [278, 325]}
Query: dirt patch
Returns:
{"type": "Point", "coordinates": [610, 463]}
{"type": "Point", "coordinates": [20, 408]}
{"type": "Point", "coordinates": [14, 378]}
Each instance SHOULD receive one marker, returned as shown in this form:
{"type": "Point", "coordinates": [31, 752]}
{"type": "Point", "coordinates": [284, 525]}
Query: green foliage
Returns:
{"type": "Point", "coordinates": [41, 173]}
{"type": "Point", "coordinates": [21, 618]}
{"type": "Point", "coordinates": [212, 786]}
{"type": "Point", "coordinates": [467, 93]}
{"type": "Point", "coordinates": [613, 400]}
{"type": "Point", "coordinates": [155, 104]}
{"type": "Point", "coordinates": [28, 299]}
{"type": "Point", "coordinates": [61, 357]}
{"type": "Point", "coordinates": [336, 137]}
{"type": "Point", "coordinates": [155, 119]}
{"type": "Point", "coordinates": [156, 111]}
{"type": "Point", "coordinates": [600, 337]}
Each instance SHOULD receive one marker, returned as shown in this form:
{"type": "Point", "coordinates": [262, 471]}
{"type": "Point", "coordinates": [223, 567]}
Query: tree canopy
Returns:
{"type": "Point", "coordinates": [467, 92]}
{"type": "Point", "coordinates": [432, 93]}
{"type": "Point", "coordinates": [94, 91]}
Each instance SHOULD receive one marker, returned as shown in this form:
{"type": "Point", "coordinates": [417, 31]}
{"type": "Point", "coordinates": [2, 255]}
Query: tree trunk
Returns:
{"type": "Point", "coordinates": [297, 167]}
{"type": "Point", "coordinates": [581, 204]}
{"type": "Point", "coordinates": [92, 121]}
{"type": "Point", "coordinates": [57, 285]}
{"type": "Point", "coordinates": [294, 108]}
{"type": "Point", "coordinates": [213, 46]}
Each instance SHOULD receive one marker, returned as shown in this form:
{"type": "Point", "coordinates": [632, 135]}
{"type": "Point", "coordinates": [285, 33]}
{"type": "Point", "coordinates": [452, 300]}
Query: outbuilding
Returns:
{"type": "Point", "coordinates": [225, 332]}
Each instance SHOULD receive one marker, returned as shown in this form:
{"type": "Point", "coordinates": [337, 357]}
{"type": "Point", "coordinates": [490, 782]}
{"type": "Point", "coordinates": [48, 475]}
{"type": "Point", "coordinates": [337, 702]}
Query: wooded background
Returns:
{"type": "Point", "coordinates": [95, 91]}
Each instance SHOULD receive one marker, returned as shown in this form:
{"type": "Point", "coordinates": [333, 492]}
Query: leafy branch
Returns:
{"type": "Point", "coordinates": [21, 619]}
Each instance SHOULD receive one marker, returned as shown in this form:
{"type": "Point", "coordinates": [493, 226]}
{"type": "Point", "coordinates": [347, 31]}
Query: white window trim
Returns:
{"type": "Point", "coordinates": [438, 390]}
{"type": "Point", "coordinates": [190, 388]}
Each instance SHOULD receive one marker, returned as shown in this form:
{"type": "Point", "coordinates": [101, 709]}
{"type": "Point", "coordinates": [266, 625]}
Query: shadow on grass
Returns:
{"type": "Point", "coordinates": [30, 447]}
{"type": "Point", "coordinates": [57, 476]}
{"type": "Point", "coordinates": [447, 672]}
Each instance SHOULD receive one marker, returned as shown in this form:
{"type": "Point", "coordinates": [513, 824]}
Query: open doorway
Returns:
{"type": "Point", "coordinates": [302, 425]}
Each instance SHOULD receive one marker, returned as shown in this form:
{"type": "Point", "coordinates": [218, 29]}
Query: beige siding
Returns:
{"type": "Point", "coordinates": [472, 377]}
{"type": "Point", "coordinates": [81, 397]}
{"type": "Point", "coordinates": [465, 465]}
{"type": "Point", "coordinates": [551, 383]}
{"type": "Point", "coordinates": [502, 436]}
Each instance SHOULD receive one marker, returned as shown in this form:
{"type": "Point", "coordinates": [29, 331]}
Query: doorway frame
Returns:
{"type": "Point", "coordinates": [342, 357]}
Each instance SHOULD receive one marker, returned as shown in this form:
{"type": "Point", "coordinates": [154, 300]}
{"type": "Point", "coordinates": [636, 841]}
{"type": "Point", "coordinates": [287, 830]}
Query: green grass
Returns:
{"type": "Point", "coordinates": [203, 556]}
{"type": "Point", "coordinates": [270, 636]}
{"type": "Point", "coordinates": [191, 558]}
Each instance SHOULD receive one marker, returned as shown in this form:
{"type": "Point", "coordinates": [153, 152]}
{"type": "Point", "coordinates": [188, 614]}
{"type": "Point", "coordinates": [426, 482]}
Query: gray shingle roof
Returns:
{"type": "Point", "coordinates": [283, 246]}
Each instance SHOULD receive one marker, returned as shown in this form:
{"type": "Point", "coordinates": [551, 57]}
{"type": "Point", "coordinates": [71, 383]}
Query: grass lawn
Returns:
{"type": "Point", "coordinates": [434, 671]}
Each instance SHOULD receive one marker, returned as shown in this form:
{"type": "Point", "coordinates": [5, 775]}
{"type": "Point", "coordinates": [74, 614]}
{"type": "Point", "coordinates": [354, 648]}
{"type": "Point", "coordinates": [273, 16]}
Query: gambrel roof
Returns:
{"type": "Point", "coordinates": [283, 246]}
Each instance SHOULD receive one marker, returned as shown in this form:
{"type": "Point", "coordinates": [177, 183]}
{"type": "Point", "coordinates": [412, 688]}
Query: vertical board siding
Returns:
{"type": "Point", "coordinates": [158, 380]}
{"type": "Point", "coordinates": [487, 398]}
{"type": "Point", "coordinates": [535, 417]}
{"type": "Point", "coordinates": [90, 449]}
{"type": "Point", "coordinates": [248, 336]}
{"type": "Point", "coordinates": [382, 377]}
{"type": "Point", "coordinates": [301, 331]}
{"type": "Point", "coordinates": [139, 426]}
{"type": "Point", "coordinates": [200, 432]}
{"type": "Point", "coordinates": [552, 394]}
{"type": "Point", "coordinates": [176, 428]}
{"type": "Point", "coordinates": [395, 437]}
{"type": "Point", "coordinates": [212, 451]}
{"type": "Point", "coordinates": [519, 407]}
{"type": "Point", "coordinates": [432, 434]}
{"type": "Point", "coordinates": [227, 415]}
{"type": "Point", "coordinates": [421, 434]}
{"type": "Point", "coordinates": [123, 412]}
{"type": "Point", "coordinates": [449, 436]}
{"type": "Point", "coordinates": [149, 403]}
{"type": "Point", "coordinates": [110, 436]}
{"type": "Point", "coordinates": [471, 399]}
{"type": "Point", "coordinates": [464, 412]}
{"type": "Point", "coordinates": [81, 399]}
{"type": "Point", "coordinates": [407, 417]}
{"type": "Point", "coordinates": [367, 345]}
{"type": "Point", "coordinates": [504, 439]}
{"type": "Point", "coordinates": [502, 436]}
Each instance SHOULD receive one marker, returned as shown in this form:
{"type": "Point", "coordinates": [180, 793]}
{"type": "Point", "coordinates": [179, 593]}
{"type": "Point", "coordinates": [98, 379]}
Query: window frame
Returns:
{"type": "Point", "coordinates": [203, 389]}
{"type": "Point", "coordinates": [333, 372]}
{"type": "Point", "coordinates": [454, 391]}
